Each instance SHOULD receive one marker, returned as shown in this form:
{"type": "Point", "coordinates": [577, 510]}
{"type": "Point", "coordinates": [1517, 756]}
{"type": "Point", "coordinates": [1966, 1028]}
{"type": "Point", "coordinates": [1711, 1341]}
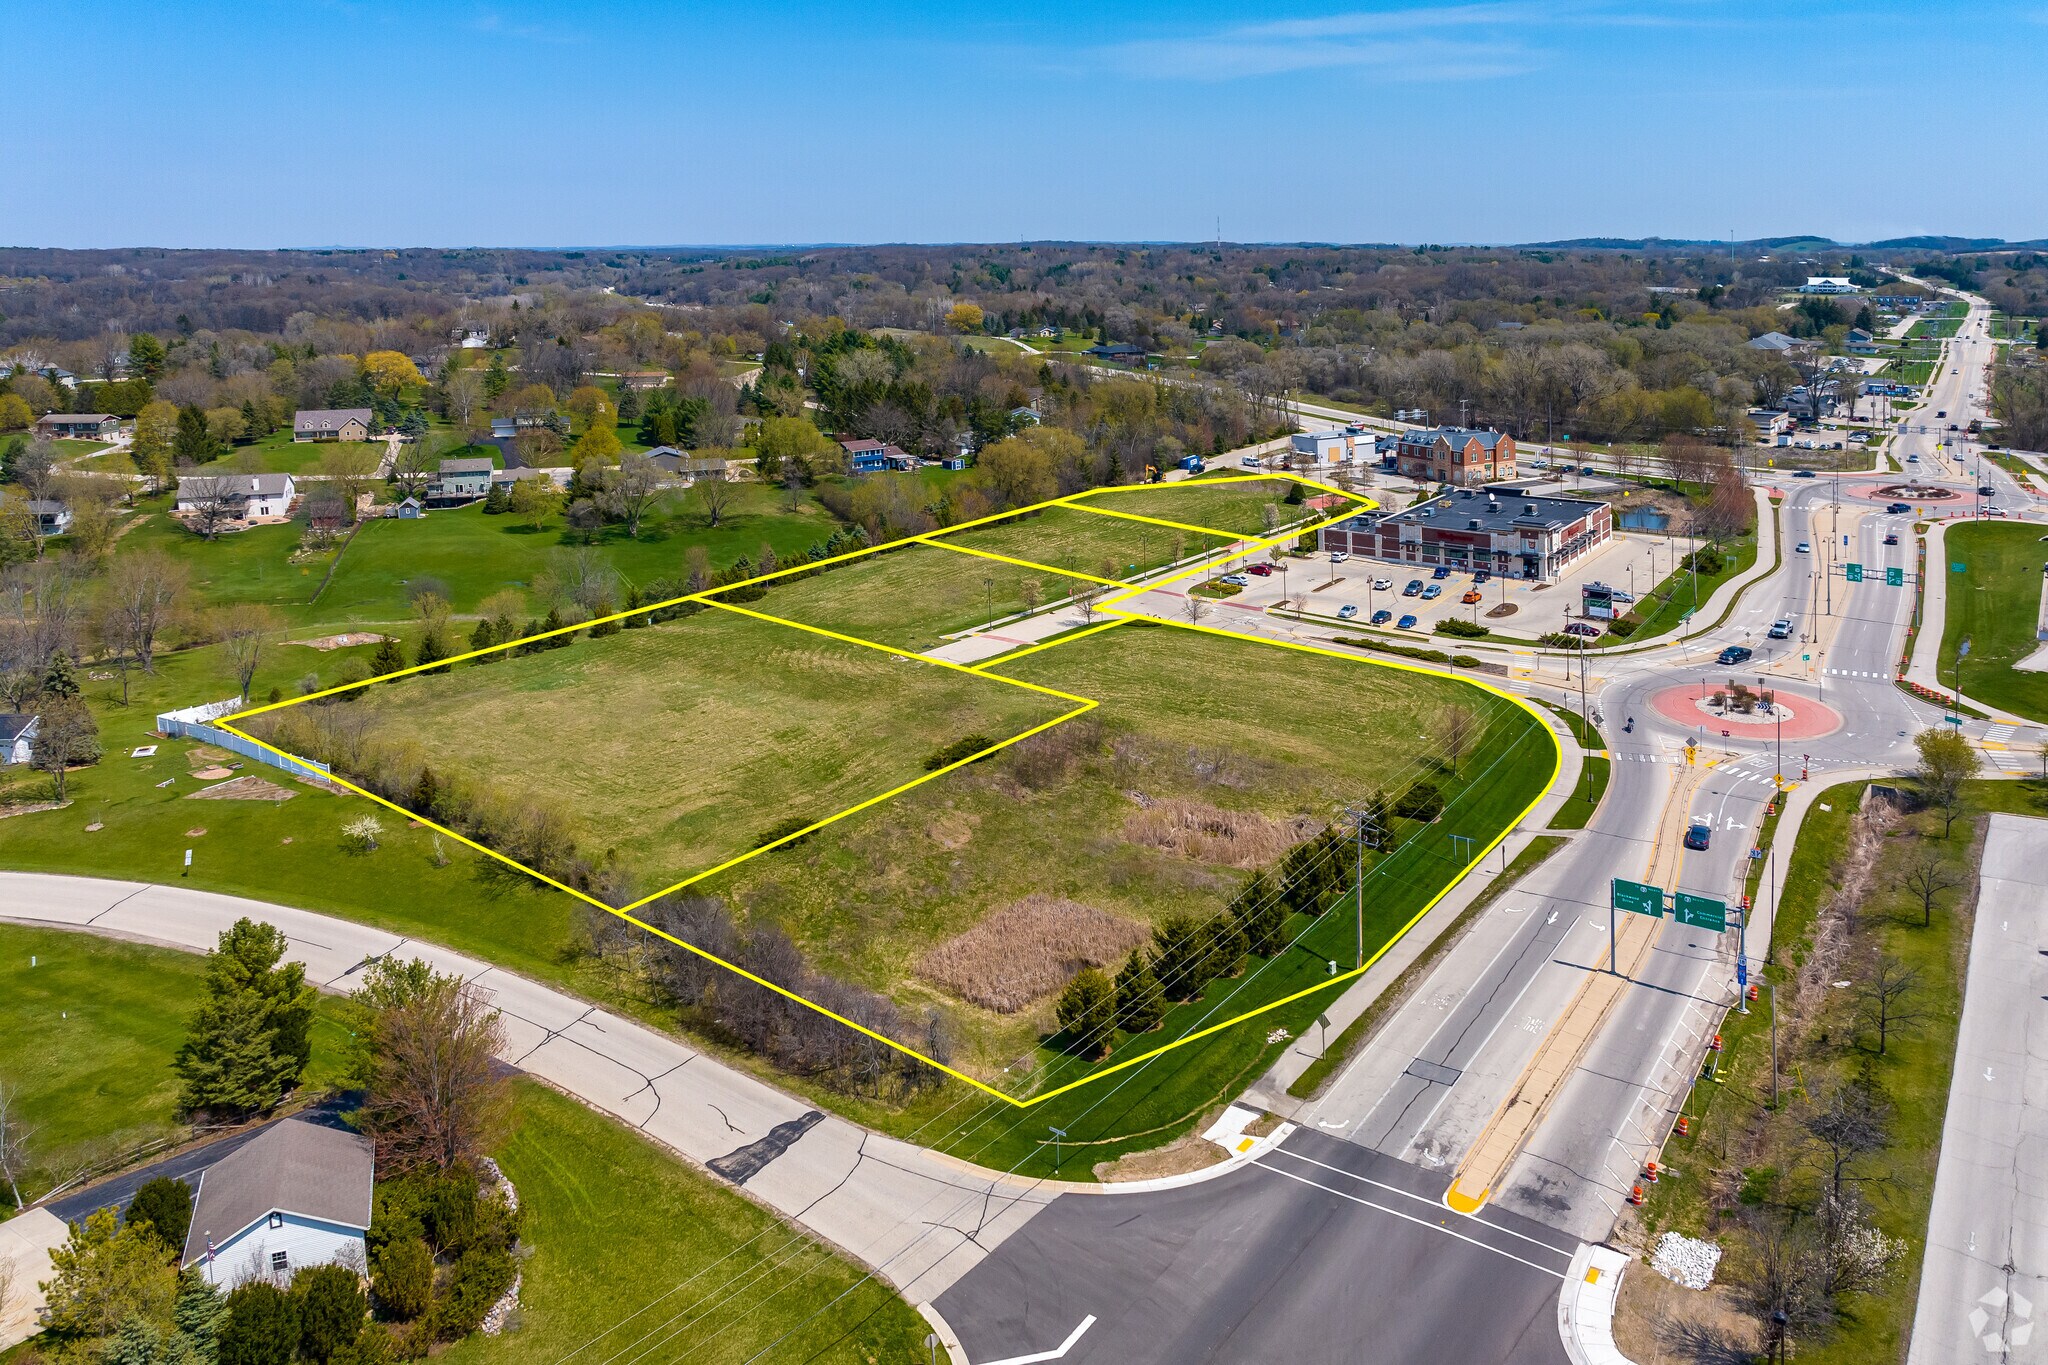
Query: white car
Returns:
{"type": "Point", "coordinates": [1338, 556]}
{"type": "Point", "coordinates": [1250, 462]}
{"type": "Point", "coordinates": [1383, 585]}
{"type": "Point", "coordinates": [1236, 580]}
{"type": "Point", "coordinates": [1805, 547]}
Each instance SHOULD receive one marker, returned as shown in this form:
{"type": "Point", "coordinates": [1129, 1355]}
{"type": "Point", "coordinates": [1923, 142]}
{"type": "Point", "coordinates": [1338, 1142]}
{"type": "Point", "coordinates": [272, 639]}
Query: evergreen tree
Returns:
{"type": "Point", "coordinates": [251, 1038]}
{"type": "Point", "coordinates": [255, 424]}
{"type": "Point", "coordinates": [768, 562]}
{"type": "Point", "coordinates": [483, 637]}
{"type": "Point", "coordinates": [262, 1326]}
{"type": "Point", "coordinates": [1261, 914]}
{"type": "Point", "coordinates": [555, 621]}
{"type": "Point", "coordinates": [58, 679]}
{"type": "Point", "coordinates": [496, 378]}
{"type": "Point", "coordinates": [330, 1305]}
{"type": "Point", "coordinates": [200, 1313]}
{"type": "Point", "coordinates": [433, 646]}
{"type": "Point", "coordinates": [527, 644]}
{"type": "Point", "coordinates": [389, 658]}
{"type": "Point", "coordinates": [1139, 1003]}
{"type": "Point", "coordinates": [194, 442]}
{"type": "Point", "coordinates": [1223, 947]}
{"type": "Point", "coordinates": [1087, 1012]}
{"type": "Point", "coordinates": [498, 500]}
{"type": "Point", "coordinates": [1177, 956]}
{"type": "Point", "coordinates": [164, 1203]}
{"type": "Point", "coordinates": [426, 792]}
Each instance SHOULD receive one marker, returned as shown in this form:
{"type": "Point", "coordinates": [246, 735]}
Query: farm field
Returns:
{"type": "Point", "coordinates": [673, 747]}
{"type": "Point", "coordinates": [1235, 509]}
{"type": "Point", "coordinates": [1078, 540]}
{"type": "Point", "coordinates": [912, 598]}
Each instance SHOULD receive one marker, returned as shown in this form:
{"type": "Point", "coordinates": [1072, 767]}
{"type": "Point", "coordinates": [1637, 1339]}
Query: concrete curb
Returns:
{"type": "Point", "coordinates": [1585, 1306]}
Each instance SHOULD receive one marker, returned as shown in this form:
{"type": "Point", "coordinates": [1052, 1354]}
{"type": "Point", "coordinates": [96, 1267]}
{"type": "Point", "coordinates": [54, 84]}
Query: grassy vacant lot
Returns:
{"type": "Point", "coordinates": [682, 744]}
{"type": "Point", "coordinates": [1065, 815]}
{"type": "Point", "coordinates": [912, 598]}
{"type": "Point", "coordinates": [1231, 508]}
{"type": "Point", "coordinates": [91, 1029]}
{"type": "Point", "coordinates": [619, 1227]}
{"type": "Point", "coordinates": [1745, 1158]}
{"type": "Point", "coordinates": [1085, 542]}
{"type": "Point", "coordinates": [1996, 602]}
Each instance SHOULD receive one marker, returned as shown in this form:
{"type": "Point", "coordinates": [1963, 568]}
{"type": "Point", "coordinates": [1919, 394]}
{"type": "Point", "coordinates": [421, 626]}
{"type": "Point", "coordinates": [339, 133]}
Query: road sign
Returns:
{"type": "Point", "coordinates": [1701, 912]}
{"type": "Point", "coordinates": [1853, 572]}
{"type": "Point", "coordinates": [1742, 971]}
{"type": "Point", "coordinates": [1894, 577]}
{"type": "Point", "coordinates": [1637, 898]}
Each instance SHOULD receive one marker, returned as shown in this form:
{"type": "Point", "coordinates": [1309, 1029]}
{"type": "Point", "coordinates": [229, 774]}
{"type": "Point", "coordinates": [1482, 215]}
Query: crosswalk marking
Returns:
{"type": "Point", "coordinates": [1854, 673]}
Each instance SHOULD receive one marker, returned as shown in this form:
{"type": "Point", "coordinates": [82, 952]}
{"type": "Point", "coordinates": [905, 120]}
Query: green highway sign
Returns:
{"type": "Point", "coordinates": [1637, 897]}
{"type": "Point", "coordinates": [1853, 571]}
{"type": "Point", "coordinates": [1894, 577]}
{"type": "Point", "coordinates": [1701, 912]}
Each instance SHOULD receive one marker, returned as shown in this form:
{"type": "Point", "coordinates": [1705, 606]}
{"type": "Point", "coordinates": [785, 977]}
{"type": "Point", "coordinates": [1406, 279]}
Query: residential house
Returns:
{"type": "Point", "coordinates": [1827, 284]}
{"type": "Point", "coordinates": [53, 518]}
{"type": "Point", "coordinates": [505, 428]}
{"type": "Point", "coordinates": [246, 496]}
{"type": "Point", "coordinates": [332, 424]}
{"type": "Point", "coordinates": [1122, 353]}
{"type": "Point", "coordinates": [680, 463]}
{"type": "Point", "coordinates": [1789, 347]}
{"type": "Point", "coordinates": [297, 1194]}
{"type": "Point", "coordinates": [408, 509]}
{"type": "Point", "coordinates": [865, 455]}
{"type": "Point", "coordinates": [1861, 342]}
{"type": "Point", "coordinates": [460, 480]}
{"type": "Point", "coordinates": [1455, 455]}
{"type": "Point", "coordinates": [1025, 417]}
{"type": "Point", "coordinates": [17, 737]}
{"type": "Point", "coordinates": [88, 426]}
{"type": "Point", "coordinates": [1500, 529]}
{"type": "Point", "coordinates": [471, 338]}
{"type": "Point", "coordinates": [643, 379]}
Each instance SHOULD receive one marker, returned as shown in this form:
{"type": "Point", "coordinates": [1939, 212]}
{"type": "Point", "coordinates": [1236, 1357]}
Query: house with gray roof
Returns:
{"type": "Point", "coordinates": [17, 737]}
{"type": "Point", "coordinates": [332, 424]}
{"type": "Point", "coordinates": [1782, 344]}
{"type": "Point", "coordinates": [85, 426]}
{"type": "Point", "coordinates": [297, 1194]}
{"type": "Point", "coordinates": [461, 480]}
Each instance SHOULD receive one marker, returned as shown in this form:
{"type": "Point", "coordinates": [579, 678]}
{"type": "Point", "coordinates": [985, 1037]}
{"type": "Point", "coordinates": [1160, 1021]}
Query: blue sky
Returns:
{"type": "Point", "coordinates": [452, 123]}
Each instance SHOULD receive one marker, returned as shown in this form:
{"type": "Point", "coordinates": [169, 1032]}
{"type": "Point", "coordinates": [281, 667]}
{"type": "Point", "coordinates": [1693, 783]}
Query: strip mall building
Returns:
{"type": "Point", "coordinates": [1502, 530]}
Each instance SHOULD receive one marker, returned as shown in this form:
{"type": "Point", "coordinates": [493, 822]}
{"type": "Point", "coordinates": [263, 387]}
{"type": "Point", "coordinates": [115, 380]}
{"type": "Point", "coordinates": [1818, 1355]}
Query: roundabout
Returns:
{"type": "Point", "coordinates": [1787, 715]}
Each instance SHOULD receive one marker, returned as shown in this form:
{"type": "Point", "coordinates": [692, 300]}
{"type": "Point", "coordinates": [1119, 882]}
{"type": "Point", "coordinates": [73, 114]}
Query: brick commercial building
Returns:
{"type": "Point", "coordinates": [1501, 530]}
{"type": "Point", "coordinates": [1455, 455]}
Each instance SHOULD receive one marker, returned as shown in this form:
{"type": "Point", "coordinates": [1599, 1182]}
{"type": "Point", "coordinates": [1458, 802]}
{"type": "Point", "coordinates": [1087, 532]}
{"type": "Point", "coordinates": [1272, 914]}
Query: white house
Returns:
{"type": "Point", "coordinates": [472, 338]}
{"type": "Point", "coordinates": [245, 496]}
{"type": "Point", "coordinates": [297, 1194]}
{"type": "Point", "coordinates": [1827, 284]}
{"type": "Point", "coordinates": [53, 518]}
{"type": "Point", "coordinates": [17, 737]}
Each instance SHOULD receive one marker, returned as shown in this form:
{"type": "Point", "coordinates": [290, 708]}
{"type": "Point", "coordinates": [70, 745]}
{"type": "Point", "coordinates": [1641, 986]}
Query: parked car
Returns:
{"type": "Point", "coordinates": [1471, 595]}
{"type": "Point", "coordinates": [1441, 571]}
{"type": "Point", "coordinates": [1382, 616]}
{"type": "Point", "coordinates": [1383, 584]}
{"type": "Point", "coordinates": [1260, 570]}
{"type": "Point", "coordinates": [1414, 588]}
{"type": "Point", "coordinates": [1432, 592]}
{"type": "Point", "coordinates": [1235, 580]}
{"type": "Point", "coordinates": [1698, 835]}
{"type": "Point", "coordinates": [1891, 537]}
{"type": "Point", "coordinates": [1250, 462]}
{"type": "Point", "coordinates": [1804, 547]}
{"type": "Point", "coordinates": [1781, 629]}
{"type": "Point", "coordinates": [1338, 556]}
{"type": "Point", "coordinates": [1581, 628]}
{"type": "Point", "coordinates": [1587, 469]}
{"type": "Point", "coordinates": [1484, 575]}
{"type": "Point", "coordinates": [1804, 474]}
{"type": "Point", "coordinates": [1347, 612]}
{"type": "Point", "coordinates": [1406, 622]}
{"type": "Point", "coordinates": [1736, 654]}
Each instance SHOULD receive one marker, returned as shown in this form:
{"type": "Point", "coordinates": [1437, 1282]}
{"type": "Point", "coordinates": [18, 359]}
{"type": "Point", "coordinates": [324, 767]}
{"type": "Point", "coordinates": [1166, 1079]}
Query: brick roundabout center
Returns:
{"type": "Point", "coordinates": [1692, 707]}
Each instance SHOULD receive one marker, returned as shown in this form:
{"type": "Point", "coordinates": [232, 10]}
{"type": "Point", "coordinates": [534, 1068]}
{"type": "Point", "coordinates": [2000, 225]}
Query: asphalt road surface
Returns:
{"type": "Point", "coordinates": [1319, 1252]}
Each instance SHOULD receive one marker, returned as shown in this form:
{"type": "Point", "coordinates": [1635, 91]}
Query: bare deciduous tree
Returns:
{"type": "Point", "coordinates": [1928, 875]}
{"type": "Point", "coordinates": [630, 490]}
{"type": "Point", "coordinates": [436, 1097]}
{"type": "Point", "coordinates": [14, 1141]}
{"type": "Point", "coordinates": [1195, 608]}
{"type": "Point", "coordinates": [1457, 730]}
{"type": "Point", "coordinates": [1887, 999]}
{"type": "Point", "coordinates": [141, 595]}
{"type": "Point", "coordinates": [1845, 1125]}
{"type": "Point", "coordinates": [245, 630]}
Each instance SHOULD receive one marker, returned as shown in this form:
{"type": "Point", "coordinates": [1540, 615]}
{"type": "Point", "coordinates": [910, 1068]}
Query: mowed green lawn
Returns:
{"type": "Point", "coordinates": [911, 598]}
{"type": "Point", "coordinates": [1086, 542]}
{"type": "Point", "coordinates": [1229, 508]}
{"type": "Point", "coordinates": [1996, 602]}
{"type": "Point", "coordinates": [633, 1250]}
{"type": "Point", "coordinates": [681, 744]}
{"type": "Point", "coordinates": [278, 453]}
{"type": "Point", "coordinates": [91, 1028]}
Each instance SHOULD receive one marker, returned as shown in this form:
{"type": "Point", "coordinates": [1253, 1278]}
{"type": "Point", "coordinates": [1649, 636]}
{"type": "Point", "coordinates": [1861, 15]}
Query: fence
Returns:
{"type": "Point", "coordinates": [191, 723]}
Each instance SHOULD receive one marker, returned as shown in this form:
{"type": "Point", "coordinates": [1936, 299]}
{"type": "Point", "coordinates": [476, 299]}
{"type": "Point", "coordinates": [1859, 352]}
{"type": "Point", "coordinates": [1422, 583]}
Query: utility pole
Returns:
{"type": "Point", "coordinates": [1358, 814]}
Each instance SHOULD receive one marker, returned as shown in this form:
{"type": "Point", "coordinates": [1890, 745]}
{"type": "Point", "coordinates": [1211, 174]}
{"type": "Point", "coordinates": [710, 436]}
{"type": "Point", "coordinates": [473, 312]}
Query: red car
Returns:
{"type": "Point", "coordinates": [1260, 570]}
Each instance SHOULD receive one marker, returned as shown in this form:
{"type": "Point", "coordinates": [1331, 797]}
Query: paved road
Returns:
{"type": "Point", "coordinates": [1984, 1285]}
{"type": "Point", "coordinates": [1319, 1252]}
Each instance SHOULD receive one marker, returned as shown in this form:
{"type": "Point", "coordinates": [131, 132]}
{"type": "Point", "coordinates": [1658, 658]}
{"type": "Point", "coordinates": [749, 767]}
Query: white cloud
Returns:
{"type": "Point", "coordinates": [1460, 42]}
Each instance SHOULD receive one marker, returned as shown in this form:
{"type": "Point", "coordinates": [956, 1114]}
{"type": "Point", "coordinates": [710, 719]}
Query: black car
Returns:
{"type": "Point", "coordinates": [1985, 490]}
{"type": "Point", "coordinates": [1737, 654]}
{"type": "Point", "coordinates": [1805, 474]}
{"type": "Point", "coordinates": [1697, 835]}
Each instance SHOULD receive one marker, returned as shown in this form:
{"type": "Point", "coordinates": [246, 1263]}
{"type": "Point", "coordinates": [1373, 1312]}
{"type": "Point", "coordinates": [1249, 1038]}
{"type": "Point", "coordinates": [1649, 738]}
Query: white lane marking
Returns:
{"type": "Point", "coordinates": [1432, 1203]}
{"type": "Point", "coordinates": [1059, 1354]}
{"type": "Point", "coordinates": [1405, 1217]}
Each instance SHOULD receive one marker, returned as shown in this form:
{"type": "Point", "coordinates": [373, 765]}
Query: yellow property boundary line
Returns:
{"type": "Point", "coordinates": [1239, 547]}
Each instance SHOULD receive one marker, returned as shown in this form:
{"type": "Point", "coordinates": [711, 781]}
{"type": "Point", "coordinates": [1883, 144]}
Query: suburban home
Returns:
{"type": "Point", "coordinates": [1503, 530]}
{"type": "Point", "coordinates": [297, 1194]}
{"type": "Point", "coordinates": [1122, 353]}
{"type": "Point", "coordinates": [1784, 345]}
{"type": "Point", "coordinates": [1025, 417]}
{"type": "Point", "coordinates": [53, 518]}
{"type": "Point", "coordinates": [471, 338]}
{"type": "Point", "coordinates": [681, 463]}
{"type": "Point", "coordinates": [1827, 284]}
{"type": "Point", "coordinates": [643, 379]}
{"type": "Point", "coordinates": [1455, 455]}
{"type": "Point", "coordinates": [1861, 342]}
{"type": "Point", "coordinates": [332, 424]}
{"type": "Point", "coordinates": [461, 480]}
{"type": "Point", "coordinates": [864, 455]}
{"type": "Point", "coordinates": [246, 496]}
{"type": "Point", "coordinates": [89, 426]}
{"type": "Point", "coordinates": [17, 737]}
{"type": "Point", "coordinates": [505, 428]}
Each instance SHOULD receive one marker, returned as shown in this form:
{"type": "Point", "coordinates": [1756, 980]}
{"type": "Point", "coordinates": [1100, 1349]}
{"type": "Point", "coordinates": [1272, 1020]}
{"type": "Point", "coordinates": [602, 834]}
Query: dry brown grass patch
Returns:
{"type": "Point", "coordinates": [1209, 834]}
{"type": "Point", "coordinates": [1027, 950]}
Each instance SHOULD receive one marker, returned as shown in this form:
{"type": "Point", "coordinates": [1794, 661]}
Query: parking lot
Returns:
{"type": "Point", "coordinates": [1630, 563]}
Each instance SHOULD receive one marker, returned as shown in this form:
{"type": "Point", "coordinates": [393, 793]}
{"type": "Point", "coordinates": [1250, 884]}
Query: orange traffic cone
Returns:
{"type": "Point", "coordinates": [1684, 1125]}
{"type": "Point", "coordinates": [1635, 1195]}
{"type": "Point", "coordinates": [1717, 1042]}
{"type": "Point", "coordinates": [1651, 1171]}
{"type": "Point", "coordinates": [1752, 993]}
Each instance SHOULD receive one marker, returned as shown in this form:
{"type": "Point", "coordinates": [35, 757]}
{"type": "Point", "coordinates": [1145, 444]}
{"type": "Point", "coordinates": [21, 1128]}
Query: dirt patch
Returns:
{"type": "Point", "coordinates": [1503, 609]}
{"type": "Point", "coordinates": [243, 789]}
{"type": "Point", "coordinates": [206, 756]}
{"type": "Point", "coordinates": [1027, 950]}
{"type": "Point", "coordinates": [1182, 1155]}
{"type": "Point", "coordinates": [1209, 834]}
{"type": "Point", "coordinates": [213, 774]}
{"type": "Point", "coordinates": [953, 830]}
{"type": "Point", "coordinates": [1658, 1321]}
{"type": "Point", "coordinates": [346, 640]}
{"type": "Point", "coordinates": [31, 808]}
